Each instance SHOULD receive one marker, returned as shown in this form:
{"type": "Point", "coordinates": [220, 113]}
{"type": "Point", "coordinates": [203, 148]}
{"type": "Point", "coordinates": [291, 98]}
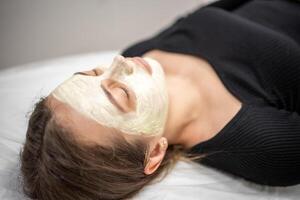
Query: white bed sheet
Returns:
{"type": "Point", "coordinates": [21, 87]}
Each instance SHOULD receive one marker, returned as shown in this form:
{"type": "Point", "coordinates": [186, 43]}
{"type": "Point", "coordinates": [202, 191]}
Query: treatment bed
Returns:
{"type": "Point", "coordinates": [22, 86]}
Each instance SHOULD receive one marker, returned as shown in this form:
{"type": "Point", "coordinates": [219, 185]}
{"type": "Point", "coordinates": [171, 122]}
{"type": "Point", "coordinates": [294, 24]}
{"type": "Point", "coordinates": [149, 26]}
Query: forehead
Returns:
{"type": "Point", "coordinates": [83, 128]}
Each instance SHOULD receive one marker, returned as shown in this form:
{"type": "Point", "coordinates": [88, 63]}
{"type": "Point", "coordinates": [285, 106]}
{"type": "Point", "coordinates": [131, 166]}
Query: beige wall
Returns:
{"type": "Point", "coordinates": [32, 30]}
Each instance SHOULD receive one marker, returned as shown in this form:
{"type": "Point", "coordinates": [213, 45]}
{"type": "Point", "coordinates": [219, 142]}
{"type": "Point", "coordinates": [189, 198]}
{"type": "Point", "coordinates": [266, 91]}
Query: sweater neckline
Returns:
{"type": "Point", "coordinates": [230, 125]}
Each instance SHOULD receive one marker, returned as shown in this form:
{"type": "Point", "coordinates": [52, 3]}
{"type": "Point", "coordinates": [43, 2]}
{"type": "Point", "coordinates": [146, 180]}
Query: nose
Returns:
{"type": "Point", "coordinates": [120, 62]}
{"type": "Point", "coordinates": [135, 61]}
{"type": "Point", "coordinates": [128, 69]}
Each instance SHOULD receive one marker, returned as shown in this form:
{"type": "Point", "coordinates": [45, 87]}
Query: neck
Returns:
{"type": "Point", "coordinates": [187, 105]}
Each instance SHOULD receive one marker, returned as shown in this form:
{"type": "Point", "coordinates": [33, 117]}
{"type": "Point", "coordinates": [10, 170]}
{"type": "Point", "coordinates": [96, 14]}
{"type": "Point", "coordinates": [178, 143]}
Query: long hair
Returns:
{"type": "Point", "coordinates": [54, 165]}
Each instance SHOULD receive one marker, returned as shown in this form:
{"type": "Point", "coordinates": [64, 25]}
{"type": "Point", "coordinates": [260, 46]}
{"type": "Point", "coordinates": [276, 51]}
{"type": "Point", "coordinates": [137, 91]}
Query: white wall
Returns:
{"type": "Point", "coordinates": [32, 30]}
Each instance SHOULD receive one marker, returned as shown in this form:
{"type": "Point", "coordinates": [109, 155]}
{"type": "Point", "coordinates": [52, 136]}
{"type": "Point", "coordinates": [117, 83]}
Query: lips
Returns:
{"type": "Point", "coordinates": [143, 63]}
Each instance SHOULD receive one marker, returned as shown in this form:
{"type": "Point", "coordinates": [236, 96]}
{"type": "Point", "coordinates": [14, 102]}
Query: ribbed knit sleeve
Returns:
{"type": "Point", "coordinates": [262, 145]}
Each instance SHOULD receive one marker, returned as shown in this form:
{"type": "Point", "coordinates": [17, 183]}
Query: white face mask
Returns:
{"type": "Point", "coordinates": [84, 94]}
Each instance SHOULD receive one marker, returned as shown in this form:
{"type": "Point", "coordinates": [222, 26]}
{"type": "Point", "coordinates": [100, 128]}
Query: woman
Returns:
{"type": "Point", "coordinates": [221, 84]}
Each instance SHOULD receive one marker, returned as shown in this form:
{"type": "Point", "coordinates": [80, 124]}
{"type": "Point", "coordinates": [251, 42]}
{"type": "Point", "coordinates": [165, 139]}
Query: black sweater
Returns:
{"type": "Point", "coordinates": [254, 47]}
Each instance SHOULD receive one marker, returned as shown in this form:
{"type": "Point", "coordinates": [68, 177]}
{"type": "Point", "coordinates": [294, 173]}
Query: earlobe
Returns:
{"type": "Point", "coordinates": [156, 156]}
{"type": "Point", "coordinates": [150, 168]}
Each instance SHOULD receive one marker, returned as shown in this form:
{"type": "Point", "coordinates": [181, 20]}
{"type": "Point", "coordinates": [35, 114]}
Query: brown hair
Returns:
{"type": "Point", "coordinates": [55, 166]}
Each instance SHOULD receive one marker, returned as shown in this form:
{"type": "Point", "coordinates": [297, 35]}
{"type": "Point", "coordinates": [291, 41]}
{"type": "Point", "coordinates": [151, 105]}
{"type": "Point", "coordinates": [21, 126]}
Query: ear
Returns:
{"type": "Point", "coordinates": [156, 155]}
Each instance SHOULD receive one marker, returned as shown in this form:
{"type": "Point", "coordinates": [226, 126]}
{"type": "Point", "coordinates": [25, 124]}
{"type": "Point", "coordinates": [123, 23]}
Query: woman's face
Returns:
{"type": "Point", "coordinates": [129, 95]}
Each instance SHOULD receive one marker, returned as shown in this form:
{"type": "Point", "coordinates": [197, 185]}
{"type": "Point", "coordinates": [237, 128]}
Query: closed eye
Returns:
{"type": "Point", "coordinates": [112, 99]}
{"type": "Point", "coordinates": [126, 91]}
{"type": "Point", "coordinates": [118, 91]}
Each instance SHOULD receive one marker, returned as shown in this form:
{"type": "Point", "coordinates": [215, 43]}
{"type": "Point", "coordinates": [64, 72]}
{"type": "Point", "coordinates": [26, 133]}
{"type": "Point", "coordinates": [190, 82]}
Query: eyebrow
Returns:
{"type": "Point", "coordinates": [82, 73]}
{"type": "Point", "coordinates": [112, 99]}
{"type": "Point", "coordinates": [79, 73]}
